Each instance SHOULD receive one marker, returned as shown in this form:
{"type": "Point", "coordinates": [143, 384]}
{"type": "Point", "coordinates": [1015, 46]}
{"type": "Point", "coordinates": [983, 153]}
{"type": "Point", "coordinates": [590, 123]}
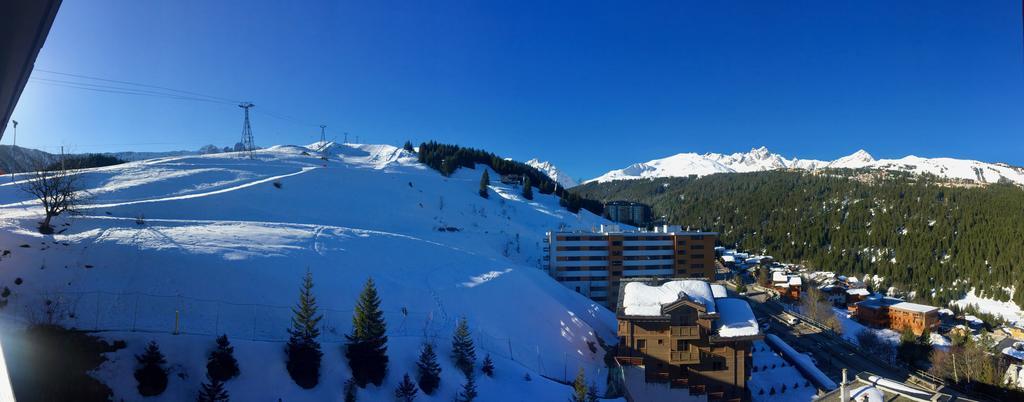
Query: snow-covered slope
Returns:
{"type": "Point", "coordinates": [223, 242]}
{"type": "Point", "coordinates": [553, 172]}
{"type": "Point", "coordinates": [760, 159]}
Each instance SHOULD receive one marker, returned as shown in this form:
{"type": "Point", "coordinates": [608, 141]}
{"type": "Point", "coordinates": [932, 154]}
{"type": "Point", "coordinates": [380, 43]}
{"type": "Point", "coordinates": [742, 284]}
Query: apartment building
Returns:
{"type": "Point", "coordinates": [594, 262]}
{"type": "Point", "coordinates": [628, 212]}
{"type": "Point", "coordinates": [680, 333]}
{"type": "Point", "coordinates": [897, 314]}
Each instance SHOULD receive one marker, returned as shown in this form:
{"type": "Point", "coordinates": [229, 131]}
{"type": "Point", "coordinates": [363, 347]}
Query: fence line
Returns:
{"type": "Point", "coordinates": [169, 314]}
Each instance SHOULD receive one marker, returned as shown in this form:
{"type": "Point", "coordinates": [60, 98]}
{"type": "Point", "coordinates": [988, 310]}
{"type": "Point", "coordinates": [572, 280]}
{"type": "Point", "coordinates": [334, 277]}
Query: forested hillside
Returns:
{"type": "Point", "coordinates": [919, 232]}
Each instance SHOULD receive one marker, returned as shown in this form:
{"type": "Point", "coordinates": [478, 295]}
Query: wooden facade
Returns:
{"type": "Point", "coordinates": [680, 348]}
{"type": "Point", "coordinates": [889, 313]}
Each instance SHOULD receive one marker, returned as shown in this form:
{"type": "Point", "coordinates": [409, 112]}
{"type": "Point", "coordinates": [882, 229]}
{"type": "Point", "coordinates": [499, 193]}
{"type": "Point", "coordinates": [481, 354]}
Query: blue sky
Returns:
{"type": "Point", "coordinates": [591, 86]}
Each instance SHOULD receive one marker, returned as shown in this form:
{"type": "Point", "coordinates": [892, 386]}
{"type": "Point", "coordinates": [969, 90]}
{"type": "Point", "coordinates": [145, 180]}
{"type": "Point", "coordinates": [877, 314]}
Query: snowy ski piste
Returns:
{"type": "Point", "coordinates": [223, 241]}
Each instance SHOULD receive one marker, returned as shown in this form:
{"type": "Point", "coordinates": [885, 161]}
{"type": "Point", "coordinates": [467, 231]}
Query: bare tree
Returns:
{"type": "Point", "coordinates": [57, 190]}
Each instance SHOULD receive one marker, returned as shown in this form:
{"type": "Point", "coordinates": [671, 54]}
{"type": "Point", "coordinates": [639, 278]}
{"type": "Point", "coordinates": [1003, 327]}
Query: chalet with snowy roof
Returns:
{"type": "Point", "coordinates": [897, 314]}
{"type": "Point", "coordinates": [687, 333]}
{"type": "Point", "coordinates": [788, 286]}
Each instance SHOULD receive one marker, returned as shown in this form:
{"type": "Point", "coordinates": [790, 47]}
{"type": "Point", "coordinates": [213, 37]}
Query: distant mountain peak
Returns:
{"type": "Point", "coordinates": [858, 159]}
{"type": "Point", "coordinates": [553, 172]}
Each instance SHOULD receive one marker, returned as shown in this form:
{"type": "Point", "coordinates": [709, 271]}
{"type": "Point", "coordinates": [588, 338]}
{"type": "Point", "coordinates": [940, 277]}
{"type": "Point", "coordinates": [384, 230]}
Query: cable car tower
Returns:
{"type": "Point", "coordinates": [248, 145]}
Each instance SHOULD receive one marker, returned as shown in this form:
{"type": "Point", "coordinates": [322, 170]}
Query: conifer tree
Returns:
{"type": "Point", "coordinates": [303, 349]}
{"type": "Point", "coordinates": [408, 147]}
{"type": "Point", "coordinates": [429, 370]}
{"type": "Point", "coordinates": [485, 179]}
{"type": "Point", "coordinates": [212, 391]}
{"type": "Point", "coordinates": [350, 390]}
{"type": "Point", "coordinates": [367, 345]}
{"type": "Point", "coordinates": [462, 348]}
{"type": "Point", "coordinates": [151, 374]}
{"type": "Point", "coordinates": [527, 189]}
{"type": "Point", "coordinates": [579, 388]}
{"type": "Point", "coordinates": [488, 366]}
{"type": "Point", "coordinates": [406, 391]}
{"type": "Point", "coordinates": [221, 364]}
{"type": "Point", "coordinates": [468, 392]}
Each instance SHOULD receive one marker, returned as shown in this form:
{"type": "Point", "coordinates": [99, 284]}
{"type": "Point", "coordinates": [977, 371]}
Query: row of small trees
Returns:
{"type": "Point", "coordinates": [221, 366]}
{"type": "Point", "coordinates": [365, 350]}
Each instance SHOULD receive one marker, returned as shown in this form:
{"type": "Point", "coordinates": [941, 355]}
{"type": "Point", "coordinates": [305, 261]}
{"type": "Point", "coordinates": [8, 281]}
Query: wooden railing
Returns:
{"type": "Point", "coordinates": [685, 356]}
{"type": "Point", "coordinates": [690, 331]}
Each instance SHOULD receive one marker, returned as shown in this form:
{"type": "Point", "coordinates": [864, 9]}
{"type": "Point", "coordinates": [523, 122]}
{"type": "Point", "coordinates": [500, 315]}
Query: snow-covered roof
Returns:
{"type": "Point", "coordinates": [973, 320]}
{"type": "Point", "coordinates": [735, 318]}
{"type": "Point", "coordinates": [867, 393]}
{"type": "Point", "coordinates": [852, 279]}
{"type": "Point", "coordinates": [719, 291]}
{"type": "Point", "coordinates": [728, 258]}
{"type": "Point", "coordinates": [641, 299]}
{"type": "Point", "coordinates": [858, 292]}
{"type": "Point", "coordinates": [895, 303]}
{"type": "Point", "coordinates": [795, 281]}
{"type": "Point", "coordinates": [779, 276]}
{"type": "Point", "coordinates": [1014, 352]}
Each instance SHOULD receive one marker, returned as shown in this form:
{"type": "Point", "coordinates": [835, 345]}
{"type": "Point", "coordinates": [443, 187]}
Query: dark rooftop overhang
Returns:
{"type": "Point", "coordinates": [24, 25]}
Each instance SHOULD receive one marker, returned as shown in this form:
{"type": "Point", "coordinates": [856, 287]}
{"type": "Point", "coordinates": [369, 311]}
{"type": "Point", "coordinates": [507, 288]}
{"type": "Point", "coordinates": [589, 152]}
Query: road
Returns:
{"type": "Point", "coordinates": [830, 352]}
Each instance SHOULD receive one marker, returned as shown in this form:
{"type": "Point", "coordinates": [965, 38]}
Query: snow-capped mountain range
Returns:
{"type": "Point", "coordinates": [552, 171]}
{"type": "Point", "coordinates": [761, 159]}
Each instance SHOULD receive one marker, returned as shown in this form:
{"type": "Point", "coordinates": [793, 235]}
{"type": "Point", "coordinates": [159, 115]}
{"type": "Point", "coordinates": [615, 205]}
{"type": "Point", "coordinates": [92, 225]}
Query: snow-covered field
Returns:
{"type": "Point", "coordinates": [1007, 310]}
{"type": "Point", "coordinates": [223, 242]}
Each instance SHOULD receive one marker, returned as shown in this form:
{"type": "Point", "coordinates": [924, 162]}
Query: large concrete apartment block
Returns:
{"type": "Point", "coordinates": [594, 262]}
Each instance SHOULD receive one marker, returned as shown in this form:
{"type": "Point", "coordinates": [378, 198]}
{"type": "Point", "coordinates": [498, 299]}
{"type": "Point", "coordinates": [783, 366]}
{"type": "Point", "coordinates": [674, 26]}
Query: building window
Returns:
{"type": "Point", "coordinates": [641, 344]}
{"type": "Point", "coordinates": [682, 345]}
{"type": "Point", "coordinates": [661, 342]}
{"type": "Point", "coordinates": [717, 365]}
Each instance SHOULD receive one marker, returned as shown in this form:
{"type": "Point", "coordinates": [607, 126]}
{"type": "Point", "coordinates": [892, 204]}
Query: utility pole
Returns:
{"type": "Point", "coordinates": [323, 135]}
{"type": "Point", "coordinates": [248, 145]}
{"type": "Point", "coordinates": [346, 138]}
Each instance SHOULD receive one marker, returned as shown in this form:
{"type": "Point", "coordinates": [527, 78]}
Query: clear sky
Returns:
{"type": "Point", "coordinates": [590, 85]}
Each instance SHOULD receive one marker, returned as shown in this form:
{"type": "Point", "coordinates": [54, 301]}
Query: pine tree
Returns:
{"type": "Point", "coordinates": [406, 391]}
{"type": "Point", "coordinates": [350, 390]}
{"type": "Point", "coordinates": [488, 366]}
{"type": "Point", "coordinates": [212, 391]}
{"type": "Point", "coordinates": [527, 189]}
{"type": "Point", "coordinates": [485, 179]}
{"type": "Point", "coordinates": [408, 147]}
{"type": "Point", "coordinates": [579, 387]}
{"type": "Point", "coordinates": [366, 349]}
{"type": "Point", "coordinates": [303, 349]}
{"type": "Point", "coordinates": [221, 364]}
{"type": "Point", "coordinates": [468, 392]}
{"type": "Point", "coordinates": [462, 348]}
{"type": "Point", "coordinates": [151, 374]}
{"type": "Point", "coordinates": [429, 370]}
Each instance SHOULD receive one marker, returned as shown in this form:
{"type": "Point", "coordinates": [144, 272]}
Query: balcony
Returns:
{"type": "Point", "coordinates": [686, 332]}
{"type": "Point", "coordinates": [685, 356]}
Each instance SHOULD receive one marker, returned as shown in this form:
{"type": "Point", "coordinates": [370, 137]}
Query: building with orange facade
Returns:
{"type": "Point", "coordinates": [594, 262]}
{"type": "Point", "coordinates": [896, 314]}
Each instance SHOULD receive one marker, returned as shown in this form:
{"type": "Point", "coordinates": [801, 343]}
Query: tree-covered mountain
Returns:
{"type": "Point", "coordinates": [918, 232]}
